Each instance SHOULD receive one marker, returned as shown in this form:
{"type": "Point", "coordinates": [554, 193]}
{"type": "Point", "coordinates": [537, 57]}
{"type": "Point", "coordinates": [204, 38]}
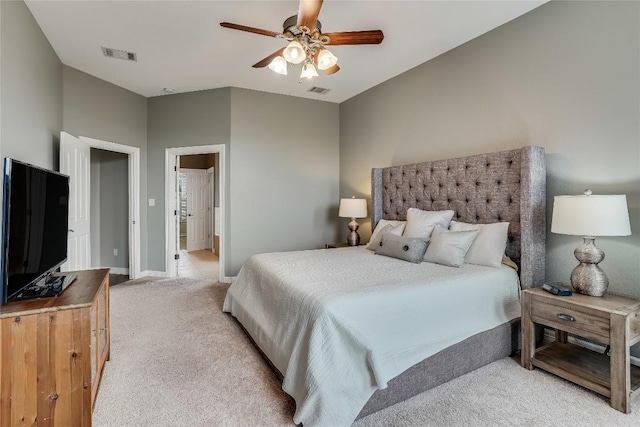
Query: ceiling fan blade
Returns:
{"type": "Point", "coordinates": [308, 12]}
{"type": "Point", "coordinates": [248, 29]}
{"type": "Point", "coordinates": [266, 61]}
{"type": "Point", "coordinates": [355, 37]}
{"type": "Point", "coordinates": [332, 70]}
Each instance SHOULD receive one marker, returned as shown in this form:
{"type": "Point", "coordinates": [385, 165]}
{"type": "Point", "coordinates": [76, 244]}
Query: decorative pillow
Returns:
{"type": "Point", "coordinates": [397, 228]}
{"type": "Point", "coordinates": [401, 247]}
{"type": "Point", "coordinates": [449, 247]}
{"type": "Point", "coordinates": [488, 248]}
{"type": "Point", "coordinates": [509, 262]}
{"type": "Point", "coordinates": [421, 223]}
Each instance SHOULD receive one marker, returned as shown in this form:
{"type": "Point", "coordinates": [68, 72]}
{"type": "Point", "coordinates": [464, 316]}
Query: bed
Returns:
{"type": "Point", "coordinates": [352, 332]}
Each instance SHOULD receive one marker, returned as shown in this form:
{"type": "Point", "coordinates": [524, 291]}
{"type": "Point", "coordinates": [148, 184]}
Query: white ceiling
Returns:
{"type": "Point", "coordinates": [180, 44]}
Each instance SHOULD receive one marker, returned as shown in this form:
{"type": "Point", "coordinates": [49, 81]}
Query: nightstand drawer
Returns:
{"type": "Point", "coordinates": [573, 321]}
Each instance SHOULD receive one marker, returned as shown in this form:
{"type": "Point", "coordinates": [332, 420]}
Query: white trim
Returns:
{"type": "Point", "coordinates": [151, 273]}
{"type": "Point", "coordinates": [228, 279]}
{"type": "Point", "coordinates": [117, 270]}
{"type": "Point", "coordinates": [134, 197]}
{"type": "Point", "coordinates": [170, 197]}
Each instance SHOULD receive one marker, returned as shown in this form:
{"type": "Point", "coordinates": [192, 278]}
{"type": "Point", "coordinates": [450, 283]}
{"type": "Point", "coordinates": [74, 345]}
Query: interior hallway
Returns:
{"type": "Point", "coordinates": [201, 264]}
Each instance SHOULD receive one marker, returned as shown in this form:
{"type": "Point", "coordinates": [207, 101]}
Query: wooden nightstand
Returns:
{"type": "Point", "coordinates": [611, 320]}
{"type": "Point", "coordinates": [336, 245]}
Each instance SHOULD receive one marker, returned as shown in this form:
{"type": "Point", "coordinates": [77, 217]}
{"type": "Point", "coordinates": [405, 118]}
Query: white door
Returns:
{"type": "Point", "coordinates": [196, 208]}
{"type": "Point", "coordinates": [74, 161]}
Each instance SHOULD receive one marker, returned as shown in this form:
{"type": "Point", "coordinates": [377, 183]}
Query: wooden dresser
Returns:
{"type": "Point", "coordinates": [52, 352]}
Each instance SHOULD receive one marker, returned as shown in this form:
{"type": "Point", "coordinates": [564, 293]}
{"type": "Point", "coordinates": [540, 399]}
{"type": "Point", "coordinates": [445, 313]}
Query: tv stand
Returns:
{"type": "Point", "coordinates": [52, 354]}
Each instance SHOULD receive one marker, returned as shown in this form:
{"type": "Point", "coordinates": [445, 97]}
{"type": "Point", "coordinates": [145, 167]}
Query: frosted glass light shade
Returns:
{"type": "Point", "coordinates": [326, 59]}
{"type": "Point", "coordinates": [294, 53]}
{"type": "Point", "coordinates": [279, 65]}
{"type": "Point", "coordinates": [308, 71]}
{"type": "Point", "coordinates": [591, 215]}
{"type": "Point", "coordinates": [353, 208]}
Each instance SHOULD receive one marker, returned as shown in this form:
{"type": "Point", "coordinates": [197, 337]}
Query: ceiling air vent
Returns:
{"type": "Point", "coordinates": [320, 90]}
{"type": "Point", "coordinates": [119, 54]}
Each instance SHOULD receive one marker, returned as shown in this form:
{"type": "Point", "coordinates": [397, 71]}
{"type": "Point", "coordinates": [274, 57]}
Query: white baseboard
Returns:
{"type": "Point", "coordinates": [118, 270]}
{"type": "Point", "coordinates": [550, 336]}
{"type": "Point", "coordinates": [153, 273]}
{"type": "Point", "coordinates": [164, 274]}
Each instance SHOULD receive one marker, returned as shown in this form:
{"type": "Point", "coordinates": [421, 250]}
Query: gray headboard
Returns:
{"type": "Point", "coordinates": [485, 188]}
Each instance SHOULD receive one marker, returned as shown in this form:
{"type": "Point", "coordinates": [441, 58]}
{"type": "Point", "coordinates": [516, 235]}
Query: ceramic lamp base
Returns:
{"type": "Point", "coordinates": [353, 239]}
{"type": "Point", "coordinates": [588, 278]}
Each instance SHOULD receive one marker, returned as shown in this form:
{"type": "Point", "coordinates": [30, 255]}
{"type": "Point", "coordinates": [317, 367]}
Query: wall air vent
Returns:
{"type": "Point", "coordinates": [320, 90]}
{"type": "Point", "coordinates": [119, 54]}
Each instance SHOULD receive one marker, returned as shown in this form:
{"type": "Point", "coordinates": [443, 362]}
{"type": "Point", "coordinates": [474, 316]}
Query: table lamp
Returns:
{"type": "Point", "coordinates": [590, 216]}
{"type": "Point", "coordinates": [353, 208]}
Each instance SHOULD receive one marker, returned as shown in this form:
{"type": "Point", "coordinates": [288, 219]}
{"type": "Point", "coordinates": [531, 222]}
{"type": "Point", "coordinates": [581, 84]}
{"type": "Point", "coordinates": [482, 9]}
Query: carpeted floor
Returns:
{"type": "Point", "coordinates": [177, 360]}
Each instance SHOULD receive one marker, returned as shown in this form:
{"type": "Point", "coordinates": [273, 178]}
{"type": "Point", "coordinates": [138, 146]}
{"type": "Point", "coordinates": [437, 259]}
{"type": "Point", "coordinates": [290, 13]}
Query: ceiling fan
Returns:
{"type": "Point", "coordinates": [307, 43]}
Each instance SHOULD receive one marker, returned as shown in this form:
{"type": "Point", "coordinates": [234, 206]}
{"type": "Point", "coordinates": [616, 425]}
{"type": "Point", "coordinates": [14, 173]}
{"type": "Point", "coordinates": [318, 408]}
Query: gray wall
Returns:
{"type": "Point", "coordinates": [98, 109]}
{"type": "Point", "coordinates": [109, 209]}
{"type": "Point", "coordinates": [181, 120]}
{"type": "Point", "coordinates": [114, 203]}
{"type": "Point", "coordinates": [277, 182]}
{"type": "Point", "coordinates": [31, 88]}
{"type": "Point", "coordinates": [564, 76]}
{"type": "Point", "coordinates": [284, 174]}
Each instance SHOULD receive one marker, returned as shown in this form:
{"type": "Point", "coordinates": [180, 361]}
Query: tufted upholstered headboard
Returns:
{"type": "Point", "coordinates": [486, 188]}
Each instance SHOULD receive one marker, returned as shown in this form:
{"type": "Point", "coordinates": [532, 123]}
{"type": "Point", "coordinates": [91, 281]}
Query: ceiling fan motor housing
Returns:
{"type": "Point", "coordinates": [291, 25]}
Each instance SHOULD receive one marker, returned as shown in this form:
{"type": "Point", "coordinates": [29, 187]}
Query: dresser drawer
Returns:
{"type": "Point", "coordinates": [573, 321]}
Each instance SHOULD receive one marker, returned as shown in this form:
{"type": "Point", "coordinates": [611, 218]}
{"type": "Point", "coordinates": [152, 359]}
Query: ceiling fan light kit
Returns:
{"type": "Point", "coordinates": [308, 71]}
{"type": "Point", "coordinates": [278, 65]}
{"type": "Point", "coordinates": [294, 53]}
{"type": "Point", "coordinates": [326, 59]}
{"type": "Point", "coordinates": [307, 42]}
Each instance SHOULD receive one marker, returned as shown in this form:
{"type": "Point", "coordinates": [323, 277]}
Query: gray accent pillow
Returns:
{"type": "Point", "coordinates": [404, 248]}
{"type": "Point", "coordinates": [377, 236]}
{"type": "Point", "coordinates": [449, 247]}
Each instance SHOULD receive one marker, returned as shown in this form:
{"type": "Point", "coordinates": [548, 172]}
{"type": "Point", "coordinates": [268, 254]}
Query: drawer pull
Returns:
{"type": "Point", "coordinates": [566, 317]}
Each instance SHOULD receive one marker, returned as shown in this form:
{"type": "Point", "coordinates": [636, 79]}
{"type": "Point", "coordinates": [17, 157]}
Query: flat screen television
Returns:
{"type": "Point", "coordinates": [35, 220]}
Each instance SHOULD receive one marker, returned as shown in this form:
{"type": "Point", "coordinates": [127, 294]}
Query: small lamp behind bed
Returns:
{"type": "Point", "coordinates": [353, 208]}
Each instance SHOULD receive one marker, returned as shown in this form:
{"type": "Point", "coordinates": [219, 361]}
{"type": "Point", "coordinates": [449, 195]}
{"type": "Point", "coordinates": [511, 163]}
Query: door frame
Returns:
{"type": "Point", "coordinates": [212, 201]}
{"type": "Point", "coordinates": [171, 196]}
{"type": "Point", "coordinates": [133, 154]}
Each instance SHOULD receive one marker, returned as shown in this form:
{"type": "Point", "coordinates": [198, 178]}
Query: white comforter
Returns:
{"type": "Point", "coordinates": [340, 323]}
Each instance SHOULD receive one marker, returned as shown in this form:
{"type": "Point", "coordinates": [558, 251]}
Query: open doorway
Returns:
{"type": "Point", "coordinates": [206, 229]}
{"type": "Point", "coordinates": [109, 211]}
{"type": "Point", "coordinates": [75, 159]}
{"type": "Point", "coordinates": [196, 216]}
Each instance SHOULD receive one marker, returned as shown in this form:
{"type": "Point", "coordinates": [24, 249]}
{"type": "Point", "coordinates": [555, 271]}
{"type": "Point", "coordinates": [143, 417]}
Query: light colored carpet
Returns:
{"type": "Point", "coordinates": [177, 360]}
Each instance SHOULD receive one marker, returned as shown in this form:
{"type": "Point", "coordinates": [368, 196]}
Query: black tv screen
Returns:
{"type": "Point", "coordinates": [34, 225]}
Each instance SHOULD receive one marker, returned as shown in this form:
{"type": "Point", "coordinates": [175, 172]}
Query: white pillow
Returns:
{"type": "Point", "coordinates": [488, 248]}
{"type": "Point", "coordinates": [449, 247]}
{"type": "Point", "coordinates": [397, 227]}
{"type": "Point", "coordinates": [421, 223]}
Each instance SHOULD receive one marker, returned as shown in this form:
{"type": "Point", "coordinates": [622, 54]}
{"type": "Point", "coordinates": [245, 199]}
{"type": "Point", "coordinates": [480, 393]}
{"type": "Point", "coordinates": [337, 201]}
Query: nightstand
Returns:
{"type": "Point", "coordinates": [336, 245]}
{"type": "Point", "coordinates": [611, 320]}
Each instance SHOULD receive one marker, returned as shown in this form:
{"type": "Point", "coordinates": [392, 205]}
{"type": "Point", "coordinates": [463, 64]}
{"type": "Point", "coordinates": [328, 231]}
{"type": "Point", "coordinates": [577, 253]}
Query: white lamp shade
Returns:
{"type": "Point", "coordinates": [593, 215]}
{"type": "Point", "coordinates": [294, 53]}
{"type": "Point", "coordinates": [308, 71]}
{"type": "Point", "coordinates": [326, 59]}
{"type": "Point", "coordinates": [353, 208]}
{"type": "Point", "coordinates": [279, 65]}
